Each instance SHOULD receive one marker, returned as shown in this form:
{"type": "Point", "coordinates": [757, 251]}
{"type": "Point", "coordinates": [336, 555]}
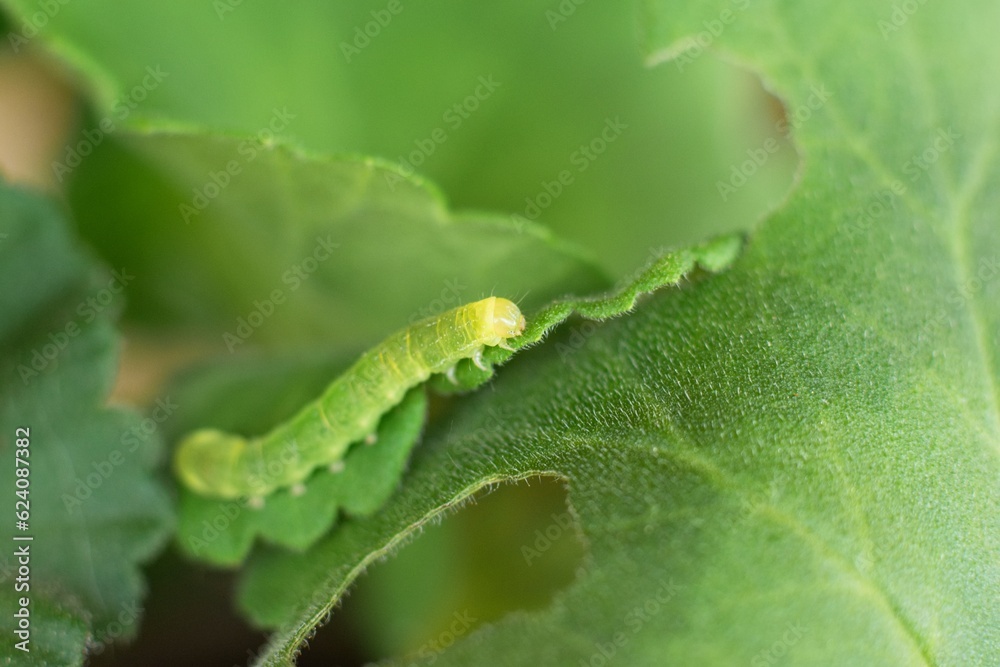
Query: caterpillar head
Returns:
{"type": "Point", "coordinates": [507, 319]}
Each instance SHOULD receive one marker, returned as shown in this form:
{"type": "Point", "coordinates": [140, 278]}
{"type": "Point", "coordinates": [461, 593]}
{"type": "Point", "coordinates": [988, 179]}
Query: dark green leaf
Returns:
{"type": "Point", "coordinates": [95, 510]}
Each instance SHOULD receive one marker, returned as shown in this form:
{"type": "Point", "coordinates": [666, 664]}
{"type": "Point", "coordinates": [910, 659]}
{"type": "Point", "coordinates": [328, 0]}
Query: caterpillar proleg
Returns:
{"type": "Point", "coordinates": [224, 465]}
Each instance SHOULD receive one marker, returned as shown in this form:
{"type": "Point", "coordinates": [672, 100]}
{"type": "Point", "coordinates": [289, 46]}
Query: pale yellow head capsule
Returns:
{"type": "Point", "coordinates": [507, 319]}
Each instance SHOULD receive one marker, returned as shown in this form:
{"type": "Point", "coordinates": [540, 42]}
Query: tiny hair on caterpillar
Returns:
{"type": "Point", "coordinates": [224, 465]}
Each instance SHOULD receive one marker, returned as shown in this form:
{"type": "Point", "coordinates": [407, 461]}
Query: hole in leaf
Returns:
{"type": "Point", "coordinates": [512, 549]}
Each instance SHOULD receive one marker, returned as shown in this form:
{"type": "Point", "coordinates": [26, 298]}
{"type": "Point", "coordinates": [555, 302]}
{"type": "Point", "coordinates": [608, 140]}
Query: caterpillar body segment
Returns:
{"type": "Point", "coordinates": [223, 465]}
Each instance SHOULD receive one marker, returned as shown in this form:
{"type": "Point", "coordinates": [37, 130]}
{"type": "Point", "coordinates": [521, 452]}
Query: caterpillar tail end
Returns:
{"type": "Point", "coordinates": [205, 462]}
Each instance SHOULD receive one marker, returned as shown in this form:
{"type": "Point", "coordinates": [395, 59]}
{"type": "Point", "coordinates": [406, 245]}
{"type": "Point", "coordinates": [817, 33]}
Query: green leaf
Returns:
{"type": "Point", "coordinates": [554, 86]}
{"type": "Point", "coordinates": [295, 250]}
{"type": "Point", "coordinates": [222, 532]}
{"type": "Point", "coordinates": [667, 269]}
{"type": "Point", "coordinates": [58, 633]}
{"type": "Point", "coordinates": [95, 510]}
{"type": "Point", "coordinates": [796, 459]}
{"type": "Point", "coordinates": [666, 154]}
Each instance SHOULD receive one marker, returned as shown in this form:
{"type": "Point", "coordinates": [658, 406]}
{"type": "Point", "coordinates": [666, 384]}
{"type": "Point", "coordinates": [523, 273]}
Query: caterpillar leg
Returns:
{"type": "Point", "coordinates": [371, 438]}
{"type": "Point", "coordinates": [450, 374]}
{"type": "Point", "coordinates": [297, 490]}
{"type": "Point", "coordinates": [255, 502]}
{"type": "Point", "coordinates": [477, 359]}
{"type": "Point", "coordinates": [506, 346]}
{"type": "Point", "coordinates": [336, 466]}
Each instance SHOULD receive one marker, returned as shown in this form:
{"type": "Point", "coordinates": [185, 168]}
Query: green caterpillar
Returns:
{"type": "Point", "coordinates": [223, 465]}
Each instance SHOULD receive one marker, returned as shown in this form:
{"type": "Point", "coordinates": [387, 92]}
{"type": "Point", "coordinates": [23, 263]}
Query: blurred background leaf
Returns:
{"type": "Point", "coordinates": [555, 87]}
{"type": "Point", "coordinates": [96, 509]}
{"type": "Point", "coordinates": [321, 252]}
